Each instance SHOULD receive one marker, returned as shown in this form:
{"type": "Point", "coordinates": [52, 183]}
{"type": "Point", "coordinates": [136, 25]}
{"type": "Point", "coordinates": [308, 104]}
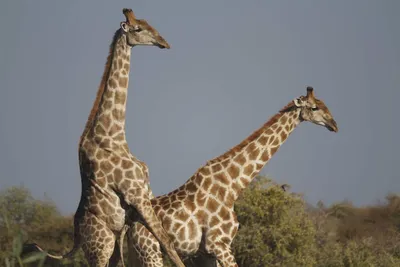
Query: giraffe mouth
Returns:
{"type": "Point", "coordinates": [161, 43]}
{"type": "Point", "coordinates": [332, 126]}
{"type": "Point", "coordinates": [162, 46]}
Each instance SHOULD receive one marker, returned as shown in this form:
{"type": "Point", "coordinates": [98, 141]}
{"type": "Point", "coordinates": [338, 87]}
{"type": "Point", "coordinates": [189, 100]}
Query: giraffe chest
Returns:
{"type": "Point", "coordinates": [105, 173]}
{"type": "Point", "coordinates": [113, 162]}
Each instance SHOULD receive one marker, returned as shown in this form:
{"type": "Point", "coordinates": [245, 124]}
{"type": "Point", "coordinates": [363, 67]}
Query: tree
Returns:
{"type": "Point", "coordinates": [24, 218]}
{"type": "Point", "coordinates": [275, 229]}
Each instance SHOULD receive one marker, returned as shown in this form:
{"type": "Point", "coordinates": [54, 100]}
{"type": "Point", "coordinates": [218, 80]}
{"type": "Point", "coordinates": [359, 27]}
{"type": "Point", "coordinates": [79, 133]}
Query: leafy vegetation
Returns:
{"type": "Point", "coordinates": [25, 219]}
{"type": "Point", "coordinates": [277, 229]}
{"type": "Point", "coordinates": [280, 229]}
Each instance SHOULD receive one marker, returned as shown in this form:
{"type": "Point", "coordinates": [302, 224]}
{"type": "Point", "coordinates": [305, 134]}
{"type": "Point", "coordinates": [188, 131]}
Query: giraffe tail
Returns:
{"type": "Point", "coordinates": [28, 248]}
{"type": "Point", "coordinates": [121, 243]}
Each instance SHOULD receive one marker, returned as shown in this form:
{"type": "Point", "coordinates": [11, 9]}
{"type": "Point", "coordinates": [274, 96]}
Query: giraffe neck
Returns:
{"type": "Point", "coordinates": [107, 117]}
{"type": "Point", "coordinates": [263, 144]}
{"type": "Point", "coordinates": [232, 172]}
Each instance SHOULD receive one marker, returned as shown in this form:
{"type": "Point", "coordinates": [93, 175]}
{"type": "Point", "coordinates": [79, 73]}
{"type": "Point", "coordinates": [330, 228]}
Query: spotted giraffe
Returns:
{"type": "Point", "coordinates": [199, 216]}
{"type": "Point", "coordinates": [115, 189]}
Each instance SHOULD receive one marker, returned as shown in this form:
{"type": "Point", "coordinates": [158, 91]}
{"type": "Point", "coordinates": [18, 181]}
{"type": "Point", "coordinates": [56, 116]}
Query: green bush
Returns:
{"type": "Point", "coordinates": [25, 219]}
{"type": "Point", "coordinates": [349, 236]}
{"type": "Point", "coordinates": [275, 228]}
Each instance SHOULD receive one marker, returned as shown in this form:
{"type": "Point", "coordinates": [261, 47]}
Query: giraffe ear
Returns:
{"type": "Point", "coordinates": [298, 102]}
{"type": "Point", "coordinates": [124, 26]}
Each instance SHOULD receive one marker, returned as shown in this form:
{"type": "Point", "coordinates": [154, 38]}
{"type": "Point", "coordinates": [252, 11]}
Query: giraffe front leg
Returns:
{"type": "Point", "coordinates": [218, 243]}
{"type": "Point", "coordinates": [139, 199]}
{"type": "Point", "coordinates": [144, 249]}
{"type": "Point", "coordinates": [223, 254]}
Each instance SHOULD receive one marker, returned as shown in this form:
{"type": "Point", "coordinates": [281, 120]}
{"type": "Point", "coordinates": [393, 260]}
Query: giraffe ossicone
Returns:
{"type": "Point", "coordinates": [199, 215]}
{"type": "Point", "coordinates": [115, 189]}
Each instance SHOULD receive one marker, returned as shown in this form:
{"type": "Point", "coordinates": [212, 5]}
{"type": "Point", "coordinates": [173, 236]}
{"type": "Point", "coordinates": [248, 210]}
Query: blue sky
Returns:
{"type": "Point", "coordinates": [231, 66]}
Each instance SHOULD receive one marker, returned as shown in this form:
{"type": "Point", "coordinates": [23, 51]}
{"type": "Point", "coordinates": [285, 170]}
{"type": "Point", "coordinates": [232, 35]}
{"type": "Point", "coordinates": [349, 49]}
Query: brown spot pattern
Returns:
{"type": "Point", "coordinates": [117, 175]}
{"type": "Point", "coordinates": [205, 171]}
{"type": "Point", "coordinates": [120, 97]}
{"type": "Point", "coordinates": [123, 82]}
{"type": "Point", "coordinates": [202, 216]}
{"type": "Point", "coordinates": [191, 187]}
{"type": "Point", "coordinates": [254, 154]}
{"type": "Point", "coordinates": [206, 183]}
{"type": "Point", "coordinates": [100, 130]}
{"type": "Point", "coordinates": [192, 230]}
{"type": "Point", "coordinates": [107, 104]}
{"type": "Point", "coordinates": [200, 198]}
{"type": "Point", "coordinates": [225, 163]}
{"type": "Point", "coordinates": [224, 214]}
{"type": "Point", "coordinates": [276, 142]}
{"type": "Point", "coordinates": [221, 177]}
{"type": "Point", "coordinates": [216, 168]}
{"type": "Point", "coordinates": [112, 84]}
{"type": "Point", "coordinates": [190, 205]}
{"type": "Point", "coordinates": [233, 171]}
{"type": "Point", "coordinates": [214, 221]}
{"type": "Point", "coordinates": [240, 159]}
{"type": "Point", "coordinates": [248, 170]}
{"type": "Point", "coordinates": [106, 166]}
{"type": "Point", "coordinates": [265, 156]}
{"type": "Point", "coordinates": [263, 140]}
{"type": "Point", "coordinates": [118, 114]}
{"type": "Point", "coordinates": [115, 129]}
{"type": "Point", "coordinates": [126, 164]}
{"type": "Point", "coordinates": [283, 136]}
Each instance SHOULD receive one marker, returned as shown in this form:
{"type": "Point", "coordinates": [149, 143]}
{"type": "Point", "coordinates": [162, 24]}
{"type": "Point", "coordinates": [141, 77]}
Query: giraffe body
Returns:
{"type": "Point", "coordinates": [115, 184]}
{"type": "Point", "coordinates": [199, 216]}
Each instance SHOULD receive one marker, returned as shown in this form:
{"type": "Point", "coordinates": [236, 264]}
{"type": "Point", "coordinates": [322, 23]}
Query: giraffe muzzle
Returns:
{"type": "Point", "coordinates": [161, 43]}
{"type": "Point", "coordinates": [331, 125]}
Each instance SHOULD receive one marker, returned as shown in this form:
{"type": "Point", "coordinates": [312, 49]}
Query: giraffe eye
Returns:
{"type": "Point", "coordinates": [315, 108]}
{"type": "Point", "coordinates": [137, 29]}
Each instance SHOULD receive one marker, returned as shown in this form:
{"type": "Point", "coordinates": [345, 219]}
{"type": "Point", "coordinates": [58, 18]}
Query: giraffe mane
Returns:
{"type": "Point", "coordinates": [101, 88]}
{"type": "Point", "coordinates": [254, 135]}
{"type": "Point", "coordinates": [289, 107]}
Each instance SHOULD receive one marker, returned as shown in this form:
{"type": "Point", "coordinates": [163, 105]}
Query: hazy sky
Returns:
{"type": "Point", "coordinates": [231, 66]}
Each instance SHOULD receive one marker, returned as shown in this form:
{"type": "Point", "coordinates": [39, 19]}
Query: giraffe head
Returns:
{"type": "Point", "coordinates": [139, 32]}
{"type": "Point", "coordinates": [315, 110]}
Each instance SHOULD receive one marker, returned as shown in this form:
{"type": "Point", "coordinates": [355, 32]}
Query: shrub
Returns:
{"type": "Point", "coordinates": [275, 228]}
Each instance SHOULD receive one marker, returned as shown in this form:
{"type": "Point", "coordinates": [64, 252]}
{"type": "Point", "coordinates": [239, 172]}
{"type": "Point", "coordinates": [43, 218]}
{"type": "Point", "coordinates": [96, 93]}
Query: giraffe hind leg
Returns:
{"type": "Point", "coordinates": [144, 247]}
{"type": "Point", "coordinates": [98, 242]}
{"type": "Point", "coordinates": [139, 199]}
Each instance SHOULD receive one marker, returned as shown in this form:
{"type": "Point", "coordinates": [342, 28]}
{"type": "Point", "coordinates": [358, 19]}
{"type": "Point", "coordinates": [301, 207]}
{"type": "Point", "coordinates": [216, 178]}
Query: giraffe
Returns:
{"type": "Point", "coordinates": [115, 184]}
{"type": "Point", "coordinates": [199, 216]}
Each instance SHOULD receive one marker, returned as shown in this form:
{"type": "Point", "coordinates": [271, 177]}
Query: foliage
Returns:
{"type": "Point", "coordinates": [14, 259]}
{"type": "Point", "coordinates": [277, 228]}
{"type": "Point", "coordinates": [351, 236]}
{"type": "Point", "coordinates": [25, 219]}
